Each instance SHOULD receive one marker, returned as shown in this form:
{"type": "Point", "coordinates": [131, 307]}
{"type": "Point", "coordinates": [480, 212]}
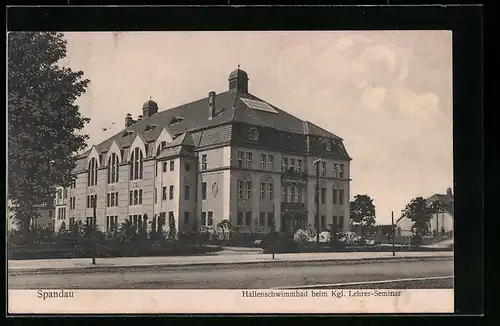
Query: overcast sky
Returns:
{"type": "Point", "coordinates": [387, 93]}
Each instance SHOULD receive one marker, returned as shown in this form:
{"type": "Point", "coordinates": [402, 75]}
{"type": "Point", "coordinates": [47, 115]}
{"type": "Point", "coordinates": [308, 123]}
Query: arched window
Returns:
{"type": "Point", "coordinates": [136, 160]}
{"type": "Point", "coordinates": [92, 173]}
{"type": "Point", "coordinates": [113, 168]}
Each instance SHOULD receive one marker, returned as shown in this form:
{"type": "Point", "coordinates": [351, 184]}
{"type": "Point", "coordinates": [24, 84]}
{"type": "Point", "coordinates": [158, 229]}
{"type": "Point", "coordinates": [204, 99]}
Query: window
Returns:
{"type": "Point", "coordinates": [92, 173]}
{"type": "Point", "coordinates": [203, 218]}
{"type": "Point", "coordinates": [172, 165]}
{"type": "Point", "coordinates": [335, 223]}
{"type": "Point", "coordinates": [131, 199]}
{"type": "Point", "coordinates": [248, 162]}
{"type": "Point", "coordinates": [240, 189]}
{"type": "Point", "coordinates": [171, 218]}
{"type": "Point", "coordinates": [285, 193]}
{"type": "Point", "coordinates": [107, 199]}
{"type": "Point", "coordinates": [292, 194]}
{"type": "Point", "coordinates": [323, 222]}
{"type": "Point", "coordinates": [136, 164]}
{"type": "Point", "coordinates": [72, 202]}
{"type": "Point", "coordinates": [164, 194]}
{"type": "Point", "coordinates": [270, 162]}
{"type": "Point", "coordinates": [341, 171]}
{"type": "Point", "coordinates": [262, 219]}
{"type": "Point", "coordinates": [316, 195]}
{"type": "Point", "coordinates": [323, 195]}
{"type": "Point", "coordinates": [156, 195]}
{"type": "Point", "coordinates": [136, 197]}
{"type": "Point", "coordinates": [263, 161]}
{"type": "Point", "coordinates": [204, 162]}
{"type": "Point", "coordinates": [241, 156]}
{"type": "Point", "coordinates": [113, 168]}
{"type": "Point", "coordinates": [335, 170]}
{"type": "Point", "coordinates": [171, 193]}
{"type": "Point", "coordinates": [299, 194]}
{"type": "Point", "coordinates": [323, 169]}
{"type": "Point", "coordinates": [299, 166]}
{"type": "Point", "coordinates": [187, 167]}
{"type": "Point", "coordinates": [262, 190]}
{"type": "Point", "coordinates": [270, 191]}
{"type": "Point", "coordinates": [91, 221]}
{"type": "Point", "coordinates": [111, 223]}
{"type": "Point", "coordinates": [292, 164]}
{"type": "Point", "coordinates": [140, 196]}
{"type": "Point", "coordinates": [270, 219]}
{"type": "Point", "coordinates": [253, 134]}
{"type": "Point", "coordinates": [65, 193]}
{"type": "Point", "coordinates": [203, 190]}
{"type": "Point", "coordinates": [71, 221]}
{"type": "Point", "coordinates": [91, 200]}
{"type": "Point", "coordinates": [165, 165]}
{"type": "Point", "coordinates": [334, 196]}
{"type": "Point", "coordinates": [341, 222]}
{"type": "Point", "coordinates": [116, 198]}
{"type": "Point", "coordinates": [341, 196]}
{"type": "Point", "coordinates": [186, 192]}
{"type": "Point", "coordinates": [248, 218]}
{"type": "Point", "coordinates": [248, 189]}
{"type": "Point", "coordinates": [186, 217]}
{"type": "Point", "coordinates": [73, 184]}
{"type": "Point", "coordinates": [156, 169]}
{"type": "Point", "coordinates": [285, 163]}
{"type": "Point", "coordinates": [210, 218]}
{"type": "Point", "coordinates": [240, 218]}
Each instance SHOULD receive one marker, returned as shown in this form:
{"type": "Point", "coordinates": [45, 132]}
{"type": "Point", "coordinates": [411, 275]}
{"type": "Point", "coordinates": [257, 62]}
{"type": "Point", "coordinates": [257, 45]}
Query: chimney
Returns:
{"type": "Point", "coordinates": [449, 193]}
{"type": "Point", "coordinates": [139, 118]}
{"type": "Point", "coordinates": [211, 105]}
{"type": "Point", "coordinates": [128, 120]}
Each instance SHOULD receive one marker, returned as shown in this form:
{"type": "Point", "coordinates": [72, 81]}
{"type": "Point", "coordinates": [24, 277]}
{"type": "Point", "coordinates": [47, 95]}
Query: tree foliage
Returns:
{"type": "Point", "coordinates": [43, 120]}
{"type": "Point", "coordinates": [419, 213]}
{"type": "Point", "coordinates": [362, 211]}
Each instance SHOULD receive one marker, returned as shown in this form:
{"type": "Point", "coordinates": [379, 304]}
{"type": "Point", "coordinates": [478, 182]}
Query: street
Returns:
{"type": "Point", "coordinates": [385, 274]}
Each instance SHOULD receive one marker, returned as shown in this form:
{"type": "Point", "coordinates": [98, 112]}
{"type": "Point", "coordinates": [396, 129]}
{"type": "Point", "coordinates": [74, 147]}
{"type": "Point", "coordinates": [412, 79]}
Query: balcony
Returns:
{"type": "Point", "coordinates": [289, 207]}
{"type": "Point", "coordinates": [291, 175]}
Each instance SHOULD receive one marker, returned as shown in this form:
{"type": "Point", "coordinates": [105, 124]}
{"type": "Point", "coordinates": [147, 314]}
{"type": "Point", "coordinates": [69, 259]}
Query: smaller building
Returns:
{"type": "Point", "coordinates": [441, 222]}
{"type": "Point", "coordinates": [45, 220]}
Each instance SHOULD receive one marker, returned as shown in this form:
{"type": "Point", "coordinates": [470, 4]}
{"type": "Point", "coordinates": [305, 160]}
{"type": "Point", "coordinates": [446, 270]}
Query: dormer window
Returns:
{"type": "Point", "coordinates": [253, 134]}
{"type": "Point", "coordinates": [328, 145]}
{"type": "Point", "coordinates": [127, 133]}
{"type": "Point", "coordinates": [149, 127]}
{"type": "Point", "coordinates": [176, 119]}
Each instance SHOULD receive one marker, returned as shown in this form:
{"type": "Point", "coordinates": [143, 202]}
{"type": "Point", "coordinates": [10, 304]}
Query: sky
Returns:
{"type": "Point", "coordinates": [388, 94]}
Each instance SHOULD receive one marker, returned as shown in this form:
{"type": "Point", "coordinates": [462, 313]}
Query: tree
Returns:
{"type": "Point", "coordinates": [43, 121]}
{"type": "Point", "coordinates": [224, 227]}
{"type": "Point", "coordinates": [362, 212]}
{"type": "Point", "coordinates": [420, 214]}
{"type": "Point", "coordinates": [436, 208]}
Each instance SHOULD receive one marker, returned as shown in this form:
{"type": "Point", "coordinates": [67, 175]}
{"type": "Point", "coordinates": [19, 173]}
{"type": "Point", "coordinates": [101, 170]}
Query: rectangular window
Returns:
{"type": "Point", "coordinates": [165, 165]}
{"type": "Point", "coordinates": [262, 219]}
{"type": "Point", "coordinates": [240, 189]}
{"type": "Point", "coordinates": [203, 190]}
{"type": "Point", "coordinates": [136, 197]}
{"type": "Point", "coordinates": [88, 201]}
{"type": "Point", "coordinates": [262, 190]}
{"type": "Point", "coordinates": [263, 161]}
{"type": "Point", "coordinates": [108, 223]}
{"type": "Point", "coordinates": [116, 198]}
{"type": "Point", "coordinates": [210, 218]}
{"type": "Point", "coordinates": [248, 163]}
{"type": "Point", "coordinates": [186, 192]}
{"type": "Point", "coordinates": [270, 219]}
{"type": "Point", "coordinates": [335, 170]}
{"type": "Point", "coordinates": [204, 162]}
{"type": "Point", "coordinates": [203, 218]}
{"type": "Point", "coordinates": [171, 193]}
{"type": "Point", "coordinates": [335, 223]}
{"type": "Point", "coordinates": [172, 165]}
{"type": "Point", "coordinates": [240, 218]}
{"type": "Point", "coordinates": [241, 156]}
{"type": "Point", "coordinates": [323, 169]}
{"type": "Point", "coordinates": [71, 221]}
{"type": "Point", "coordinates": [140, 196]}
{"type": "Point", "coordinates": [341, 197]}
{"type": "Point", "coordinates": [248, 189]}
{"type": "Point", "coordinates": [341, 222]}
{"type": "Point", "coordinates": [323, 195]}
{"type": "Point", "coordinates": [156, 195]}
{"type": "Point", "coordinates": [248, 218]}
{"type": "Point", "coordinates": [270, 191]}
{"type": "Point", "coordinates": [334, 196]}
{"type": "Point", "coordinates": [299, 166]}
{"type": "Point", "coordinates": [186, 217]}
{"type": "Point", "coordinates": [131, 199]}
{"type": "Point", "coordinates": [299, 194]}
{"type": "Point", "coordinates": [285, 163]}
{"type": "Point", "coordinates": [164, 193]}
{"type": "Point", "coordinates": [156, 169]}
{"type": "Point", "coordinates": [270, 162]}
{"type": "Point", "coordinates": [292, 164]}
{"type": "Point", "coordinates": [113, 199]}
{"type": "Point", "coordinates": [341, 171]}
{"type": "Point", "coordinates": [292, 194]}
{"type": "Point", "coordinates": [285, 193]}
{"type": "Point", "coordinates": [316, 195]}
{"type": "Point", "coordinates": [323, 222]}
{"type": "Point", "coordinates": [171, 218]}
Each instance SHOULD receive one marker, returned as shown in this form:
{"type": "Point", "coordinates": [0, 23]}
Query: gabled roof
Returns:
{"type": "Point", "coordinates": [194, 116]}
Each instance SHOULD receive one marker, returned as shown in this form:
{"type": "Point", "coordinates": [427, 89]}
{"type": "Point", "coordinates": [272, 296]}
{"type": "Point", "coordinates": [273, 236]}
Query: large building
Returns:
{"type": "Point", "coordinates": [226, 156]}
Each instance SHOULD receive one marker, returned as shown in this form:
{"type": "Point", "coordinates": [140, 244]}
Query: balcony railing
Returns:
{"type": "Point", "coordinates": [291, 174]}
{"type": "Point", "coordinates": [289, 207]}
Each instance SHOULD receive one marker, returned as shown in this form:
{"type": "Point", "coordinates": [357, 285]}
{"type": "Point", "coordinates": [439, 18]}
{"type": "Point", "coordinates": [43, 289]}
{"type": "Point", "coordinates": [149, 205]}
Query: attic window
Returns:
{"type": "Point", "coordinates": [259, 105]}
{"type": "Point", "coordinates": [176, 119]}
{"type": "Point", "coordinates": [253, 134]}
{"type": "Point", "coordinates": [127, 133]}
{"type": "Point", "coordinates": [150, 127]}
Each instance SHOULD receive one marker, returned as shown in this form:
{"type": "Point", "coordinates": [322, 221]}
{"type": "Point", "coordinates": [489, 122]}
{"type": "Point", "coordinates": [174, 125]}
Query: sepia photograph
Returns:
{"type": "Point", "coordinates": [221, 171]}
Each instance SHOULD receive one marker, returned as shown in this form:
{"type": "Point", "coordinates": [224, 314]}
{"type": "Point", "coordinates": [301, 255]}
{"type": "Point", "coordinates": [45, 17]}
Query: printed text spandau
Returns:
{"type": "Point", "coordinates": [54, 294]}
{"type": "Point", "coordinates": [338, 294]}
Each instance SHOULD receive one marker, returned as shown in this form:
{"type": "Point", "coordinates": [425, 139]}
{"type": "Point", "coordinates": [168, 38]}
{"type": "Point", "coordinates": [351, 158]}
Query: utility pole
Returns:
{"type": "Point", "coordinates": [316, 163]}
{"type": "Point", "coordinates": [94, 218]}
{"type": "Point", "coordinates": [393, 233]}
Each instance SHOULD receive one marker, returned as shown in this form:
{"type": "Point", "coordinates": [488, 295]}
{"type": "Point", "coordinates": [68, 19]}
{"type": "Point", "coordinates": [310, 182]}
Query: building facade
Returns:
{"type": "Point", "coordinates": [227, 156]}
